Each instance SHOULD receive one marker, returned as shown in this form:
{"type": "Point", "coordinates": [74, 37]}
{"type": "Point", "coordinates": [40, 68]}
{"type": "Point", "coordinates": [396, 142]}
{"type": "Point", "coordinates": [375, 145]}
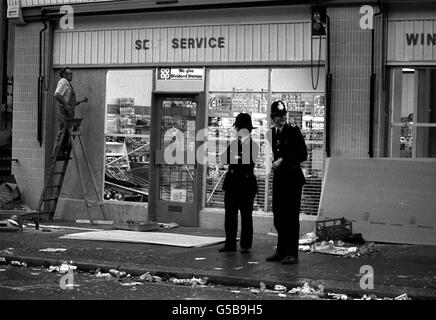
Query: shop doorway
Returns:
{"type": "Point", "coordinates": [176, 176]}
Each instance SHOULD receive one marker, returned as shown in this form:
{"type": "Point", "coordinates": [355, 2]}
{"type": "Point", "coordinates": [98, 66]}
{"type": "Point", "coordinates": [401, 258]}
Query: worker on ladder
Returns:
{"type": "Point", "coordinates": [66, 97]}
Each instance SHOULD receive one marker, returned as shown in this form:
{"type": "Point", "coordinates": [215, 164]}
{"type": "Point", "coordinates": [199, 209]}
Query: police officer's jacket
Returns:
{"type": "Point", "coordinates": [290, 146]}
{"type": "Point", "coordinates": [241, 157]}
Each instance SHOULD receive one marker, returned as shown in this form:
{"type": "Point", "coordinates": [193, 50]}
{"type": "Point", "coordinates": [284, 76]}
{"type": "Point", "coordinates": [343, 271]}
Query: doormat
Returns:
{"type": "Point", "coordinates": [167, 239]}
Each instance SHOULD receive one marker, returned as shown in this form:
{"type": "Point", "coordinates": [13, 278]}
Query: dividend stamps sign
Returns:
{"type": "Point", "coordinates": [180, 74]}
{"type": "Point", "coordinates": [412, 41]}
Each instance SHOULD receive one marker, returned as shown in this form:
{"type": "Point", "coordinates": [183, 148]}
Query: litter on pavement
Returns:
{"type": "Point", "coordinates": [63, 268]}
{"type": "Point", "coordinates": [7, 251]}
{"type": "Point", "coordinates": [198, 259]}
{"type": "Point", "coordinates": [9, 225]}
{"type": "Point", "coordinates": [367, 250]}
{"type": "Point", "coordinates": [19, 264]}
{"type": "Point", "coordinates": [130, 284]}
{"type": "Point", "coordinates": [99, 274]}
{"type": "Point", "coordinates": [2, 270]}
{"type": "Point", "coordinates": [308, 238]}
{"type": "Point", "coordinates": [306, 289]}
{"type": "Point", "coordinates": [338, 296]}
{"type": "Point", "coordinates": [193, 281]}
{"type": "Point", "coordinates": [149, 278]}
{"type": "Point", "coordinates": [117, 273]}
{"type": "Point", "coordinates": [279, 287]}
{"type": "Point", "coordinates": [262, 286]}
{"type": "Point", "coordinates": [404, 296]}
{"type": "Point", "coordinates": [53, 250]}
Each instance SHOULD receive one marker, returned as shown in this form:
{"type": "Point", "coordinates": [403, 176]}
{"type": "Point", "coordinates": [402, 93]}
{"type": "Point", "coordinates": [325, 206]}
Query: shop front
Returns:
{"type": "Point", "coordinates": [393, 200]}
{"type": "Point", "coordinates": [185, 81]}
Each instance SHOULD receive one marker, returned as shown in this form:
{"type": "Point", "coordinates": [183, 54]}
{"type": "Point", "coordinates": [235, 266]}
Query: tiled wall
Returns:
{"type": "Point", "coordinates": [351, 69]}
{"type": "Point", "coordinates": [30, 168]}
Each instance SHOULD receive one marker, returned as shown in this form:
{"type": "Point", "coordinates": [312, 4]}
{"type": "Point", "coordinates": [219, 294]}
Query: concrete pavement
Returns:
{"type": "Point", "coordinates": [397, 269]}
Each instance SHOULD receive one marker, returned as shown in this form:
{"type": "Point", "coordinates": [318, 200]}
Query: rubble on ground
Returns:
{"type": "Point", "coordinates": [307, 290]}
{"type": "Point", "coordinates": [343, 247]}
{"type": "Point", "coordinates": [8, 251]}
{"type": "Point", "coordinates": [53, 250]}
{"type": "Point", "coordinates": [192, 282]}
{"type": "Point", "coordinates": [307, 239]}
{"type": "Point", "coordinates": [63, 268]}
{"type": "Point", "coordinates": [19, 263]}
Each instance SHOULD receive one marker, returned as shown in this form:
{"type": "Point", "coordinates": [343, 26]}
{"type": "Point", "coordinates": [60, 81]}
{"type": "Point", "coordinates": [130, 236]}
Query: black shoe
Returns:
{"type": "Point", "coordinates": [245, 251]}
{"type": "Point", "coordinates": [226, 249]}
{"type": "Point", "coordinates": [290, 260]}
{"type": "Point", "coordinates": [274, 257]}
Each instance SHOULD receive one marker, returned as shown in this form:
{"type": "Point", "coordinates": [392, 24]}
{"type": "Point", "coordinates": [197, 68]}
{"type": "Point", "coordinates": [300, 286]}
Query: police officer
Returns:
{"type": "Point", "coordinates": [240, 185]}
{"type": "Point", "coordinates": [289, 151]}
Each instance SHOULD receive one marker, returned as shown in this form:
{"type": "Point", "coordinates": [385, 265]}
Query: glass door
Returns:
{"type": "Point", "coordinates": [175, 192]}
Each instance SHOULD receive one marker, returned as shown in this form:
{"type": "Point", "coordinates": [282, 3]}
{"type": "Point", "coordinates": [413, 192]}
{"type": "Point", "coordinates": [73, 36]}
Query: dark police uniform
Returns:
{"type": "Point", "coordinates": [288, 183]}
{"type": "Point", "coordinates": [240, 186]}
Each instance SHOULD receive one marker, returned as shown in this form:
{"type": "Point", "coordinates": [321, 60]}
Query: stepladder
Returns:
{"type": "Point", "coordinates": [69, 146]}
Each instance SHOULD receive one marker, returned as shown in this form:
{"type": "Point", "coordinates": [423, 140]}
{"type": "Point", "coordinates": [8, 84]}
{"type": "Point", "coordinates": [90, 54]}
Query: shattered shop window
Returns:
{"type": "Point", "coordinates": [127, 132]}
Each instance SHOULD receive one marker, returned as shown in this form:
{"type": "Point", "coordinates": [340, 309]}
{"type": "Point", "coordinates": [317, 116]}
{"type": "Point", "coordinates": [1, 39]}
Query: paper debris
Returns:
{"type": "Point", "coordinates": [253, 262]}
{"type": "Point", "coordinates": [34, 273]}
{"type": "Point", "coordinates": [53, 250]}
{"type": "Point", "coordinates": [330, 248]}
{"type": "Point", "coordinates": [306, 289]}
{"type": "Point", "coordinates": [200, 259]}
{"type": "Point", "coordinates": [235, 291]}
{"type": "Point", "coordinates": [63, 268]}
{"type": "Point", "coordinates": [404, 296]}
{"type": "Point", "coordinates": [262, 286]}
{"type": "Point", "coordinates": [19, 264]}
{"type": "Point", "coordinates": [308, 238]}
{"type": "Point", "coordinates": [129, 284]}
{"type": "Point", "coordinates": [3, 259]}
{"type": "Point", "coordinates": [149, 278]}
{"type": "Point", "coordinates": [368, 249]}
{"type": "Point", "coordinates": [279, 287]}
{"type": "Point", "coordinates": [238, 268]}
{"type": "Point", "coordinates": [117, 273]}
{"type": "Point", "coordinates": [282, 295]}
{"type": "Point", "coordinates": [218, 268]}
{"type": "Point", "coordinates": [272, 234]}
{"type": "Point", "coordinates": [338, 296]}
{"type": "Point", "coordinates": [7, 251]}
{"type": "Point", "coordinates": [193, 281]}
{"type": "Point", "coordinates": [304, 248]}
{"type": "Point", "coordinates": [2, 270]}
{"type": "Point", "coordinates": [103, 275]}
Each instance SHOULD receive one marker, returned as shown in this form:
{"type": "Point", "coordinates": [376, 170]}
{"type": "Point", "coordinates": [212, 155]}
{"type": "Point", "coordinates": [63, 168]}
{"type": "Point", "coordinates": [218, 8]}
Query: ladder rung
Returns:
{"type": "Point", "coordinates": [53, 187]}
{"type": "Point", "coordinates": [58, 172]}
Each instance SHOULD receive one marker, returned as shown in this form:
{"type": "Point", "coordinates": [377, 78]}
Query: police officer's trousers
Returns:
{"type": "Point", "coordinates": [235, 200]}
{"type": "Point", "coordinates": [286, 209]}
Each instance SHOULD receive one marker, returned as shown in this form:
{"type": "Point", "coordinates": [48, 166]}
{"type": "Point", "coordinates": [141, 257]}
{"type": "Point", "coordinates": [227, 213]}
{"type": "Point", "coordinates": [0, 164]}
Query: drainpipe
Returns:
{"type": "Point", "coordinates": [328, 95]}
{"type": "Point", "coordinates": [40, 80]}
{"type": "Point", "coordinates": [372, 91]}
{"type": "Point", "coordinates": [5, 82]}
